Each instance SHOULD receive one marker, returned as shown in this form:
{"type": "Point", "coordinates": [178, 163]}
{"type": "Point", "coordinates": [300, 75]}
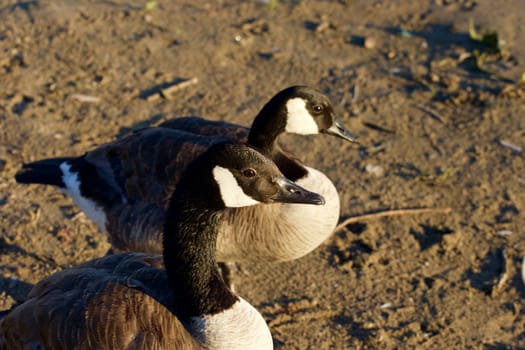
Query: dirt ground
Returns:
{"type": "Point", "coordinates": [440, 118]}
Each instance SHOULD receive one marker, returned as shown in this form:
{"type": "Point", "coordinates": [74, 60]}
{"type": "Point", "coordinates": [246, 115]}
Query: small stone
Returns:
{"type": "Point", "coordinates": [376, 170]}
{"type": "Point", "coordinates": [391, 54]}
{"type": "Point", "coordinates": [435, 78]}
{"type": "Point", "coordinates": [369, 325]}
{"type": "Point", "coordinates": [387, 305]}
{"type": "Point", "coordinates": [500, 232]}
{"type": "Point", "coordinates": [369, 42]}
{"type": "Point", "coordinates": [451, 240]}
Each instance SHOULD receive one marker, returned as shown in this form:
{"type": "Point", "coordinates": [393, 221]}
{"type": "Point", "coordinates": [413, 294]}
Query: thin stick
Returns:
{"type": "Point", "coordinates": [170, 90]}
{"type": "Point", "coordinates": [393, 212]}
{"type": "Point", "coordinates": [85, 98]}
{"type": "Point", "coordinates": [430, 111]}
{"type": "Point", "coordinates": [510, 145]}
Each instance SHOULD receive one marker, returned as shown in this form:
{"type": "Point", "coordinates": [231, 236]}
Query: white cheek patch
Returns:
{"type": "Point", "coordinates": [300, 121]}
{"type": "Point", "coordinates": [90, 208]}
{"type": "Point", "coordinates": [232, 194]}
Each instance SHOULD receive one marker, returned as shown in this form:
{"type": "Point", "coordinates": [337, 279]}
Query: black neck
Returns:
{"type": "Point", "coordinates": [291, 167]}
{"type": "Point", "coordinates": [268, 125]}
{"type": "Point", "coordinates": [271, 120]}
{"type": "Point", "coordinates": [190, 237]}
{"type": "Point", "coordinates": [266, 128]}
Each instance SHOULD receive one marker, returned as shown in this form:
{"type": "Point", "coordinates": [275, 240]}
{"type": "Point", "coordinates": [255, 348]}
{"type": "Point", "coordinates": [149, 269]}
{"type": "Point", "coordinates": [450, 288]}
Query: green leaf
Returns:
{"type": "Point", "coordinates": [150, 5]}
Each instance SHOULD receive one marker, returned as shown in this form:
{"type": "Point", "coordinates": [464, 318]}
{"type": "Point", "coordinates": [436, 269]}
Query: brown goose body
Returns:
{"type": "Point", "coordinates": [174, 301]}
{"type": "Point", "coordinates": [95, 304]}
{"type": "Point", "coordinates": [123, 186]}
{"type": "Point", "coordinates": [274, 232]}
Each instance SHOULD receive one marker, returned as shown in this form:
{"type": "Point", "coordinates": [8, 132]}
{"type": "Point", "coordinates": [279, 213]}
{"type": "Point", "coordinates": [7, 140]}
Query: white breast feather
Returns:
{"type": "Point", "coordinates": [311, 224]}
{"type": "Point", "coordinates": [240, 327]}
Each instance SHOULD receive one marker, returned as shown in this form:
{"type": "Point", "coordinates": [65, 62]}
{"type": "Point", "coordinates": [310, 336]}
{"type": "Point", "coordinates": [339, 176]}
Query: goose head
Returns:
{"type": "Point", "coordinates": [245, 177]}
{"type": "Point", "coordinates": [300, 110]}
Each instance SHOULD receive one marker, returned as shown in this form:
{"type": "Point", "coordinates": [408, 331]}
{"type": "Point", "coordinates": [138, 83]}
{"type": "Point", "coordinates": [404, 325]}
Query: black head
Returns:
{"type": "Point", "coordinates": [245, 177]}
{"type": "Point", "coordinates": [299, 110]}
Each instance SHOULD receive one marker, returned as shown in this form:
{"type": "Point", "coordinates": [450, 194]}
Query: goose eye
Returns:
{"type": "Point", "coordinates": [318, 108]}
{"type": "Point", "coordinates": [249, 172]}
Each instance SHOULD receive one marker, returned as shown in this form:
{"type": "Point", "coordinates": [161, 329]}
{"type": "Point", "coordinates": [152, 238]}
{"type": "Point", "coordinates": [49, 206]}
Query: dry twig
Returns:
{"type": "Point", "coordinates": [430, 111]}
{"type": "Point", "coordinates": [85, 98]}
{"type": "Point", "coordinates": [170, 90]}
{"type": "Point", "coordinates": [510, 145]}
{"type": "Point", "coordinates": [394, 212]}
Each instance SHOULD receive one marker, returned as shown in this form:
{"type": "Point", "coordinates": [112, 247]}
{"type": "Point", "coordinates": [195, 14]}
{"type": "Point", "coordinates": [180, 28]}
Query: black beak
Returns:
{"type": "Point", "coordinates": [338, 129]}
{"type": "Point", "coordinates": [290, 192]}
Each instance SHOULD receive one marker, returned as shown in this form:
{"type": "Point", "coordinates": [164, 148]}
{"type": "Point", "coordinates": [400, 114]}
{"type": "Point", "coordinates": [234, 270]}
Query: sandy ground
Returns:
{"type": "Point", "coordinates": [435, 130]}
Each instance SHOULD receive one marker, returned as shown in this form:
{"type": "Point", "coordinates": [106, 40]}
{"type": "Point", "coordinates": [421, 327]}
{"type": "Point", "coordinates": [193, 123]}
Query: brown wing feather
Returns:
{"type": "Point", "coordinates": [145, 168]}
{"type": "Point", "coordinates": [137, 227]}
{"type": "Point", "coordinates": [116, 302]}
{"type": "Point", "coordinates": [146, 165]}
{"type": "Point", "coordinates": [206, 127]}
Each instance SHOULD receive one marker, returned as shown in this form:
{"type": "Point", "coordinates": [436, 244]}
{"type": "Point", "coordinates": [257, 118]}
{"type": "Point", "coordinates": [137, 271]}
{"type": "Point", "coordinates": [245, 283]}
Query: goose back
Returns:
{"type": "Point", "coordinates": [206, 127]}
{"type": "Point", "coordinates": [95, 305]}
{"type": "Point", "coordinates": [147, 165]}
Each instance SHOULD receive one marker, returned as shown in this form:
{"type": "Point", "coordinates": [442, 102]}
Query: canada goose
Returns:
{"type": "Point", "coordinates": [123, 186]}
{"type": "Point", "coordinates": [129, 301]}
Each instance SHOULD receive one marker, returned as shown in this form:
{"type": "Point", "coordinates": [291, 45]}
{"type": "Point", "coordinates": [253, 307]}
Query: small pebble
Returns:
{"type": "Point", "coordinates": [369, 43]}
{"type": "Point", "coordinates": [504, 232]}
{"type": "Point", "coordinates": [405, 33]}
{"type": "Point", "coordinates": [385, 306]}
{"type": "Point", "coordinates": [376, 170]}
